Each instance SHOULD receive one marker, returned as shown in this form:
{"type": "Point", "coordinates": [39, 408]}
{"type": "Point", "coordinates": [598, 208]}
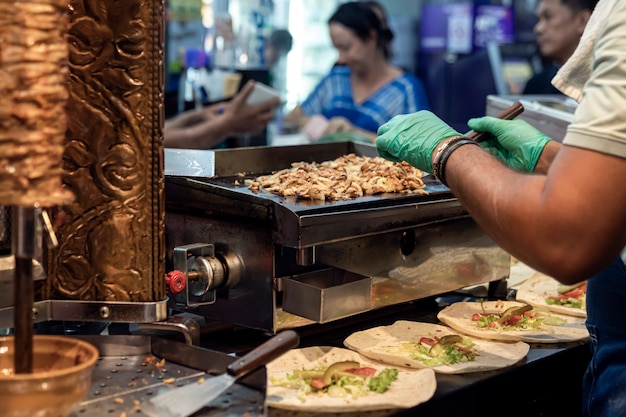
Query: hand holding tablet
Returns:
{"type": "Point", "coordinates": [262, 93]}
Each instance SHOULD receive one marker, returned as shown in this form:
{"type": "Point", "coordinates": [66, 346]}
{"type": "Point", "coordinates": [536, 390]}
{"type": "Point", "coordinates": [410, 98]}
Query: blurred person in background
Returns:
{"type": "Point", "coordinates": [278, 45]}
{"type": "Point", "coordinates": [363, 90]}
{"type": "Point", "coordinates": [206, 127]}
{"type": "Point", "coordinates": [559, 27]}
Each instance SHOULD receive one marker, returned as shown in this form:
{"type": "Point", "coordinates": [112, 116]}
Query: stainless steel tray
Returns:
{"type": "Point", "coordinates": [123, 379]}
{"type": "Point", "coordinates": [327, 295]}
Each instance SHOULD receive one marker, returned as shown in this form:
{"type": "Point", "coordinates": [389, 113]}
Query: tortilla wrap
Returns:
{"type": "Point", "coordinates": [537, 288]}
{"type": "Point", "coordinates": [383, 344]}
{"type": "Point", "coordinates": [459, 317]}
{"type": "Point", "coordinates": [412, 387]}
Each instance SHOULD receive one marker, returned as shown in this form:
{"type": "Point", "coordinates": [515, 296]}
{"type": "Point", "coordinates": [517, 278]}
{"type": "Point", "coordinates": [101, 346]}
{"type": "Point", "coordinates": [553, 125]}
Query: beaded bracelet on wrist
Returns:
{"type": "Point", "coordinates": [441, 165]}
{"type": "Point", "coordinates": [440, 149]}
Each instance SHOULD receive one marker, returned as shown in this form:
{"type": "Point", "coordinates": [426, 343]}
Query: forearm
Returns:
{"type": "Point", "coordinates": [547, 156]}
{"type": "Point", "coordinates": [486, 188]}
{"type": "Point", "coordinates": [184, 119]}
{"type": "Point", "coordinates": [200, 136]}
{"type": "Point", "coordinates": [546, 222]}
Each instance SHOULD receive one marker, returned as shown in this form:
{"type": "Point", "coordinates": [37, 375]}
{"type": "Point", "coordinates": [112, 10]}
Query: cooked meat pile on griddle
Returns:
{"type": "Point", "coordinates": [33, 95]}
{"type": "Point", "coordinates": [344, 178]}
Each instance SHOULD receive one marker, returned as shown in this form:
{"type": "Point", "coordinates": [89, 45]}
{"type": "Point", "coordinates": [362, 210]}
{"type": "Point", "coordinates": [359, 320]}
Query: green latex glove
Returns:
{"type": "Point", "coordinates": [413, 138]}
{"type": "Point", "coordinates": [516, 142]}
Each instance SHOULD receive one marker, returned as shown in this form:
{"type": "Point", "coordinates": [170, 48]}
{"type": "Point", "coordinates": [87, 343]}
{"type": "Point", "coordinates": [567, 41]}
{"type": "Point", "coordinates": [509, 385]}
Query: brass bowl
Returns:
{"type": "Point", "coordinates": [62, 368]}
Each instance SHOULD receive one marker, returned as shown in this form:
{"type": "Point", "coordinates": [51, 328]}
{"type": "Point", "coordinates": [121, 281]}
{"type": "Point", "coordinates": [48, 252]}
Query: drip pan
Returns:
{"type": "Point", "coordinates": [327, 295]}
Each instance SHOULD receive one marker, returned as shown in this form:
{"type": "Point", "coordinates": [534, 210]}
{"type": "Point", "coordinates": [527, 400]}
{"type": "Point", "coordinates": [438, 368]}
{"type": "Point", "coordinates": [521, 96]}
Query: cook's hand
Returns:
{"type": "Point", "coordinates": [413, 138]}
{"type": "Point", "coordinates": [338, 124]}
{"type": "Point", "coordinates": [516, 143]}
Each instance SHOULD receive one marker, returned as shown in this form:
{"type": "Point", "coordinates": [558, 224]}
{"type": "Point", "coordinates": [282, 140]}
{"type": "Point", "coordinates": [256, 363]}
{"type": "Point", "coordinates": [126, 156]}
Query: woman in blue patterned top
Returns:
{"type": "Point", "coordinates": [364, 90]}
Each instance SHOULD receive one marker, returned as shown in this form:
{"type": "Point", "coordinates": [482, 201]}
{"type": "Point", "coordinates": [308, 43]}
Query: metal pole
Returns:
{"type": "Point", "coordinates": [23, 235]}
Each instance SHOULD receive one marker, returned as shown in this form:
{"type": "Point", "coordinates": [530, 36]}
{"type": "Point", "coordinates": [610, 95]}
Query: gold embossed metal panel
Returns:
{"type": "Point", "coordinates": [111, 237]}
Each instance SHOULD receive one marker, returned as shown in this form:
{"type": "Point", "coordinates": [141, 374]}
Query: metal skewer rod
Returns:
{"type": "Point", "coordinates": [23, 235]}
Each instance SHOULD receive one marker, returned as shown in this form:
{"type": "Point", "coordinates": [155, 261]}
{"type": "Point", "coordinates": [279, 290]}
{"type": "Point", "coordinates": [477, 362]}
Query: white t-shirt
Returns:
{"type": "Point", "coordinates": [599, 122]}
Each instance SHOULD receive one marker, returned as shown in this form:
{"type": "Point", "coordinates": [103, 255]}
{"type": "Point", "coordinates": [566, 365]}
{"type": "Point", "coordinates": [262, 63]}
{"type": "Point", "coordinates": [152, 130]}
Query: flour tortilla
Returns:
{"type": "Point", "coordinates": [537, 288]}
{"type": "Point", "coordinates": [412, 387]}
{"type": "Point", "coordinates": [383, 343]}
{"type": "Point", "coordinates": [459, 317]}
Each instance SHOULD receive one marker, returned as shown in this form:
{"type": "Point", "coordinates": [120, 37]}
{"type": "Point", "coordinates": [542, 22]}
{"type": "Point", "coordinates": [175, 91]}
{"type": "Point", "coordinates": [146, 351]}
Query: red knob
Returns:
{"type": "Point", "coordinates": [176, 281]}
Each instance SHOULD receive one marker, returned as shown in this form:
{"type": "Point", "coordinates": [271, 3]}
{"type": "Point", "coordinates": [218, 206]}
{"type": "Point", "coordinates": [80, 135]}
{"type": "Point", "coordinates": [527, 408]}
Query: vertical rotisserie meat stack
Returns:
{"type": "Point", "coordinates": [33, 96]}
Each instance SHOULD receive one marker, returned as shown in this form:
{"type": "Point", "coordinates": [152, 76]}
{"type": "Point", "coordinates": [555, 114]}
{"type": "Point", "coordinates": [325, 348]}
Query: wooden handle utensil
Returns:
{"type": "Point", "coordinates": [509, 114]}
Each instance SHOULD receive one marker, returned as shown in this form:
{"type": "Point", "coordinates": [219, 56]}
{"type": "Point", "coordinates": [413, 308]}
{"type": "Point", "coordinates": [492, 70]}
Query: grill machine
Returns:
{"type": "Point", "coordinates": [259, 260]}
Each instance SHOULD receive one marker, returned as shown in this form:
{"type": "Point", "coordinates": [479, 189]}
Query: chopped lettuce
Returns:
{"type": "Point", "coordinates": [568, 302]}
{"type": "Point", "coordinates": [346, 385]}
{"type": "Point", "coordinates": [380, 383]}
{"type": "Point", "coordinates": [527, 322]}
{"type": "Point", "coordinates": [451, 354]}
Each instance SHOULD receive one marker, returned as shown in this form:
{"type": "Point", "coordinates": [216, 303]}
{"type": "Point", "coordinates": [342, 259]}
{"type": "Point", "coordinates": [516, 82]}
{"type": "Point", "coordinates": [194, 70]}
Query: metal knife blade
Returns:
{"type": "Point", "coordinates": [186, 400]}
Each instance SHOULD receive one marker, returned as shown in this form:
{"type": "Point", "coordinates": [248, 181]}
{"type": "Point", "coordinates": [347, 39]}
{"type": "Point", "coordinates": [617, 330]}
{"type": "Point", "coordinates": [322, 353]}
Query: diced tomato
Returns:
{"type": "Point", "coordinates": [576, 293]}
{"type": "Point", "coordinates": [530, 314]}
{"type": "Point", "coordinates": [427, 341]}
{"type": "Point", "coordinates": [477, 316]}
{"type": "Point", "coordinates": [365, 370]}
{"type": "Point", "coordinates": [465, 350]}
{"type": "Point", "coordinates": [513, 320]}
{"type": "Point", "coordinates": [318, 383]}
{"type": "Point", "coordinates": [492, 325]}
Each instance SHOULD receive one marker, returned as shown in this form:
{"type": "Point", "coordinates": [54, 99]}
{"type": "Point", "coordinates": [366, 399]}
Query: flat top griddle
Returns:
{"type": "Point", "coordinates": [230, 168]}
{"type": "Point", "coordinates": [214, 181]}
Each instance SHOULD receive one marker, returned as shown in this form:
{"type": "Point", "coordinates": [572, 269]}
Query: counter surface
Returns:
{"type": "Point", "coordinates": [533, 387]}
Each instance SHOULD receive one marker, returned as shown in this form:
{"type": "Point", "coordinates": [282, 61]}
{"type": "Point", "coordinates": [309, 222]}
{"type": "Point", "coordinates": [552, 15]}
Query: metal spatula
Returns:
{"type": "Point", "coordinates": [184, 401]}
